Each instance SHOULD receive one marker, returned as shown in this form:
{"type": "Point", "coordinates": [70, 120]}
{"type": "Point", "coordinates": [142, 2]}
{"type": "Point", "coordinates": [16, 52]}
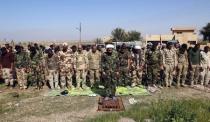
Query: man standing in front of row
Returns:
{"type": "Point", "coordinates": [109, 61]}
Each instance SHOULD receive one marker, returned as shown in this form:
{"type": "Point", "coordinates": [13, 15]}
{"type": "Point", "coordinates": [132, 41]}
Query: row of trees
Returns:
{"type": "Point", "coordinates": [120, 34]}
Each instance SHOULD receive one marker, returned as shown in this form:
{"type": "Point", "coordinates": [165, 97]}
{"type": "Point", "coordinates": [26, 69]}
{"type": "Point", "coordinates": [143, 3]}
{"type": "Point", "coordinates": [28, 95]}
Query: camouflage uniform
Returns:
{"type": "Point", "coordinates": [35, 76]}
{"type": "Point", "coordinates": [123, 64]}
{"type": "Point", "coordinates": [66, 69]}
{"type": "Point", "coordinates": [94, 60]}
{"type": "Point", "coordinates": [6, 63]}
{"type": "Point", "coordinates": [169, 63]}
{"type": "Point", "coordinates": [81, 69]}
{"type": "Point", "coordinates": [182, 67]}
{"type": "Point", "coordinates": [21, 65]}
{"type": "Point", "coordinates": [205, 63]}
{"type": "Point", "coordinates": [52, 74]}
{"type": "Point", "coordinates": [109, 69]}
{"type": "Point", "coordinates": [153, 61]}
{"type": "Point", "coordinates": [137, 71]}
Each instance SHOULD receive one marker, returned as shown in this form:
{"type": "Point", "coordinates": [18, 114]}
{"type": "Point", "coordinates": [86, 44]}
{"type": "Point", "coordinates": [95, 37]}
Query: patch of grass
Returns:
{"type": "Point", "coordinates": [194, 110]}
{"type": "Point", "coordinates": [8, 100]}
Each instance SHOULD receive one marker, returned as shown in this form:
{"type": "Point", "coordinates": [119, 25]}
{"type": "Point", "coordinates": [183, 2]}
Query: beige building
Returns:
{"type": "Point", "coordinates": [179, 34]}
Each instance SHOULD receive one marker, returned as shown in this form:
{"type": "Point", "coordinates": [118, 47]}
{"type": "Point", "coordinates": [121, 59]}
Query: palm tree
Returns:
{"type": "Point", "coordinates": [205, 31]}
{"type": "Point", "coordinates": [119, 34]}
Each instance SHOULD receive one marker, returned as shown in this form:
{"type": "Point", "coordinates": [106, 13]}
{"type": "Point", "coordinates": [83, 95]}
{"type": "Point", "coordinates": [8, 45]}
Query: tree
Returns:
{"type": "Point", "coordinates": [119, 34]}
{"type": "Point", "coordinates": [133, 36]}
{"type": "Point", "coordinates": [205, 31]}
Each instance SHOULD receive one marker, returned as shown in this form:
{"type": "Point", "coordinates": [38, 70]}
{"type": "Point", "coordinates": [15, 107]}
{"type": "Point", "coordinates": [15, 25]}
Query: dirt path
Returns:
{"type": "Point", "coordinates": [72, 109]}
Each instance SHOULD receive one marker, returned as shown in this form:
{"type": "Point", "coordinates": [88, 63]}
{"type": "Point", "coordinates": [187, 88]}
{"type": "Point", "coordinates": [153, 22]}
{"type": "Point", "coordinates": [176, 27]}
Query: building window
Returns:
{"type": "Point", "coordinates": [179, 32]}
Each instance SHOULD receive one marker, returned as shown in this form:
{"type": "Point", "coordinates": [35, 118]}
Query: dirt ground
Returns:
{"type": "Point", "coordinates": [33, 106]}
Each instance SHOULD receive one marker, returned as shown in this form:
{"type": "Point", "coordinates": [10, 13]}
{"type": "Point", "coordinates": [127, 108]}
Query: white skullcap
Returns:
{"type": "Point", "coordinates": [47, 47]}
{"type": "Point", "coordinates": [137, 47]}
{"type": "Point", "coordinates": [109, 46]}
{"type": "Point", "coordinates": [65, 44]}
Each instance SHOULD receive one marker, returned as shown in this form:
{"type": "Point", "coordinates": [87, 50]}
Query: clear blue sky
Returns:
{"type": "Point", "coordinates": [58, 19]}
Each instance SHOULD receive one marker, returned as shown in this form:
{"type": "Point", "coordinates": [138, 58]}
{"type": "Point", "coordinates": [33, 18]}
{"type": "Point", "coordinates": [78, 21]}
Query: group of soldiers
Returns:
{"type": "Point", "coordinates": [62, 66]}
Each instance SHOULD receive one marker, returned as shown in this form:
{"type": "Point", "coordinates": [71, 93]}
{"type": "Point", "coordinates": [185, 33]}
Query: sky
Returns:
{"type": "Point", "coordinates": [58, 19]}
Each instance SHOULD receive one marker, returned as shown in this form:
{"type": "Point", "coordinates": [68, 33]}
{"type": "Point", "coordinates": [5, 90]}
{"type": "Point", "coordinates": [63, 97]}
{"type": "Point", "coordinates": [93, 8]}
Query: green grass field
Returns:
{"type": "Point", "coordinates": [193, 110]}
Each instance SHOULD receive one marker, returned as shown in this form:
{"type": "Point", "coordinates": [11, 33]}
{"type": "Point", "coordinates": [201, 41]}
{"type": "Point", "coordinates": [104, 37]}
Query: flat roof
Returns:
{"type": "Point", "coordinates": [182, 28]}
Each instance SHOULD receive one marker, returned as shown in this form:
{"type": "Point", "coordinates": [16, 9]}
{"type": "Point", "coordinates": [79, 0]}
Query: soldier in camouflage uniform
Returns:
{"type": "Point", "coordinates": [74, 52]}
{"type": "Point", "coordinates": [169, 63]}
{"type": "Point", "coordinates": [205, 65]}
{"type": "Point", "coordinates": [21, 66]}
{"type": "Point", "coordinates": [6, 66]}
{"type": "Point", "coordinates": [124, 66]}
{"type": "Point", "coordinates": [137, 66]}
{"type": "Point", "coordinates": [52, 68]}
{"type": "Point", "coordinates": [153, 61]}
{"type": "Point", "coordinates": [35, 76]}
{"type": "Point", "coordinates": [109, 61]}
{"type": "Point", "coordinates": [94, 58]}
{"type": "Point", "coordinates": [81, 67]}
{"type": "Point", "coordinates": [66, 67]}
{"type": "Point", "coordinates": [182, 66]}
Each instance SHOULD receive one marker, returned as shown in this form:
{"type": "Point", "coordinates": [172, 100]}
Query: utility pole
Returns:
{"type": "Point", "coordinates": [80, 32]}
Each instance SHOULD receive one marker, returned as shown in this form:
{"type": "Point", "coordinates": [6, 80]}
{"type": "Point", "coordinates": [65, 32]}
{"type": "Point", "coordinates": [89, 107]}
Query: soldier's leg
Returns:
{"type": "Point", "coordinates": [62, 79]}
{"type": "Point", "coordinates": [107, 84]}
{"type": "Point", "coordinates": [113, 84]}
{"type": "Point", "coordinates": [78, 78]}
{"type": "Point", "coordinates": [127, 77]}
{"type": "Point", "coordinates": [166, 72]}
{"type": "Point", "coordinates": [149, 76]}
{"type": "Point", "coordinates": [134, 78]}
{"type": "Point", "coordinates": [192, 75]}
{"type": "Point", "coordinates": [56, 79]}
{"type": "Point", "coordinates": [69, 79]}
{"type": "Point", "coordinates": [5, 76]}
{"type": "Point", "coordinates": [139, 77]}
{"type": "Point", "coordinates": [170, 79]}
{"type": "Point", "coordinates": [50, 79]}
{"type": "Point", "coordinates": [97, 78]}
{"type": "Point", "coordinates": [22, 78]}
{"type": "Point", "coordinates": [155, 73]}
{"type": "Point", "coordinates": [91, 77]}
{"type": "Point", "coordinates": [196, 75]}
{"type": "Point", "coordinates": [203, 74]}
{"type": "Point", "coordinates": [179, 73]}
{"type": "Point", "coordinates": [184, 74]}
{"type": "Point", "coordinates": [84, 75]}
